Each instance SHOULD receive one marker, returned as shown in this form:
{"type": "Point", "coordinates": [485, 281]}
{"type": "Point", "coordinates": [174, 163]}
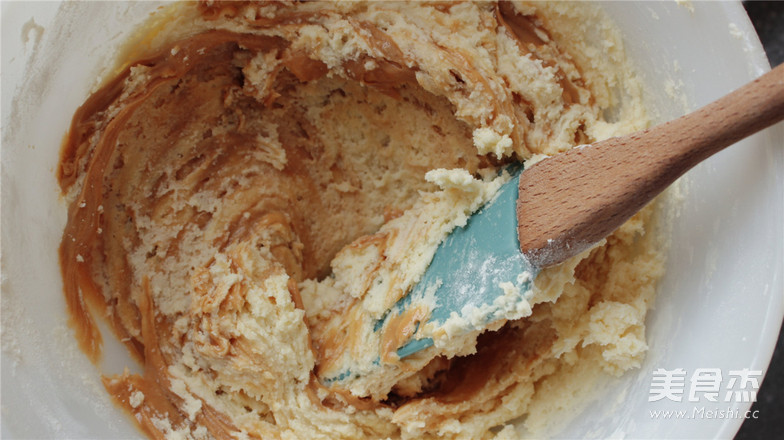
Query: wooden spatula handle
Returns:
{"type": "Point", "coordinates": [572, 200]}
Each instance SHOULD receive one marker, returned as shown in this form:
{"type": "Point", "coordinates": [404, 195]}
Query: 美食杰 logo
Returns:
{"type": "Point", "coordinates": [705, 386]}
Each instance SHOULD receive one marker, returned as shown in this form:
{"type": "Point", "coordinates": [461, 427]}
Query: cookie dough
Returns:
{"type": "Point", "coordinates": [262, 180]}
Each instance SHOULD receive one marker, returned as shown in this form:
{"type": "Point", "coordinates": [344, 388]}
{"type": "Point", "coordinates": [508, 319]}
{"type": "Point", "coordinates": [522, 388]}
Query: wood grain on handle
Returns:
{"type": "Point", "coordinates": [570, 201]}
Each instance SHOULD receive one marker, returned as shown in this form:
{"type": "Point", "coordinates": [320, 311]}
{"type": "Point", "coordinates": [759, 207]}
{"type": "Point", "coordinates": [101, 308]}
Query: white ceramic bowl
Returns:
{"type": "Point", "coordinates": [720, 304]}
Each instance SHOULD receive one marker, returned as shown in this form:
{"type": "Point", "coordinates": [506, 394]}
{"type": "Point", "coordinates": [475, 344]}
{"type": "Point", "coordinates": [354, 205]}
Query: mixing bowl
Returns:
{"type": "Point", "coordinates": [719, 306]}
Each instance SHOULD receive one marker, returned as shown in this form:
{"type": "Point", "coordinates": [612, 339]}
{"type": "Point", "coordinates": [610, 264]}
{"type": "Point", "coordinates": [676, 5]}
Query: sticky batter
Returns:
{"type": "Point", "coordinates": [260, 179]}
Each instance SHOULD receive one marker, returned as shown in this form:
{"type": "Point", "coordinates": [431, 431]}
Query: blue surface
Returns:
{"type": "Point", "coordinates": [471, 262]}
{"type": "Point", "coordinates": [467, 268]}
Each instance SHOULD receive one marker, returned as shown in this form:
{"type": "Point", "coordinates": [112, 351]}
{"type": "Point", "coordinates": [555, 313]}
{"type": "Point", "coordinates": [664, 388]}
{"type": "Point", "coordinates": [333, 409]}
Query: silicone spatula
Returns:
{"type": "Point", "coordinates": [565, 204]}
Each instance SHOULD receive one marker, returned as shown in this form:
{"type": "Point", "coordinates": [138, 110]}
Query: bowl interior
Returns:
{"type": "Point", "coordinates": [719, 306]}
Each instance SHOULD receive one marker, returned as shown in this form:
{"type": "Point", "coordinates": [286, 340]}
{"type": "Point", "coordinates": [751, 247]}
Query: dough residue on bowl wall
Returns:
{"type": "Point", "coordinates": [249, 195]}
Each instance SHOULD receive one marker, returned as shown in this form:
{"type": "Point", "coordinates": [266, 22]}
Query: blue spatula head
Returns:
{"type": "Point", "coordinates": [476, 278]}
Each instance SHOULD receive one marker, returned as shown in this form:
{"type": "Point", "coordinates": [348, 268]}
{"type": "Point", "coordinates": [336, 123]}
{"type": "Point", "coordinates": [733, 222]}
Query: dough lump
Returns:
{"type": "Point", "coordinates": [260, 179]}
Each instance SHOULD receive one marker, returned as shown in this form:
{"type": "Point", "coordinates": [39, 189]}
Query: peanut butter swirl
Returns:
{"type": "Point", "coordinates": [250, 193]}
